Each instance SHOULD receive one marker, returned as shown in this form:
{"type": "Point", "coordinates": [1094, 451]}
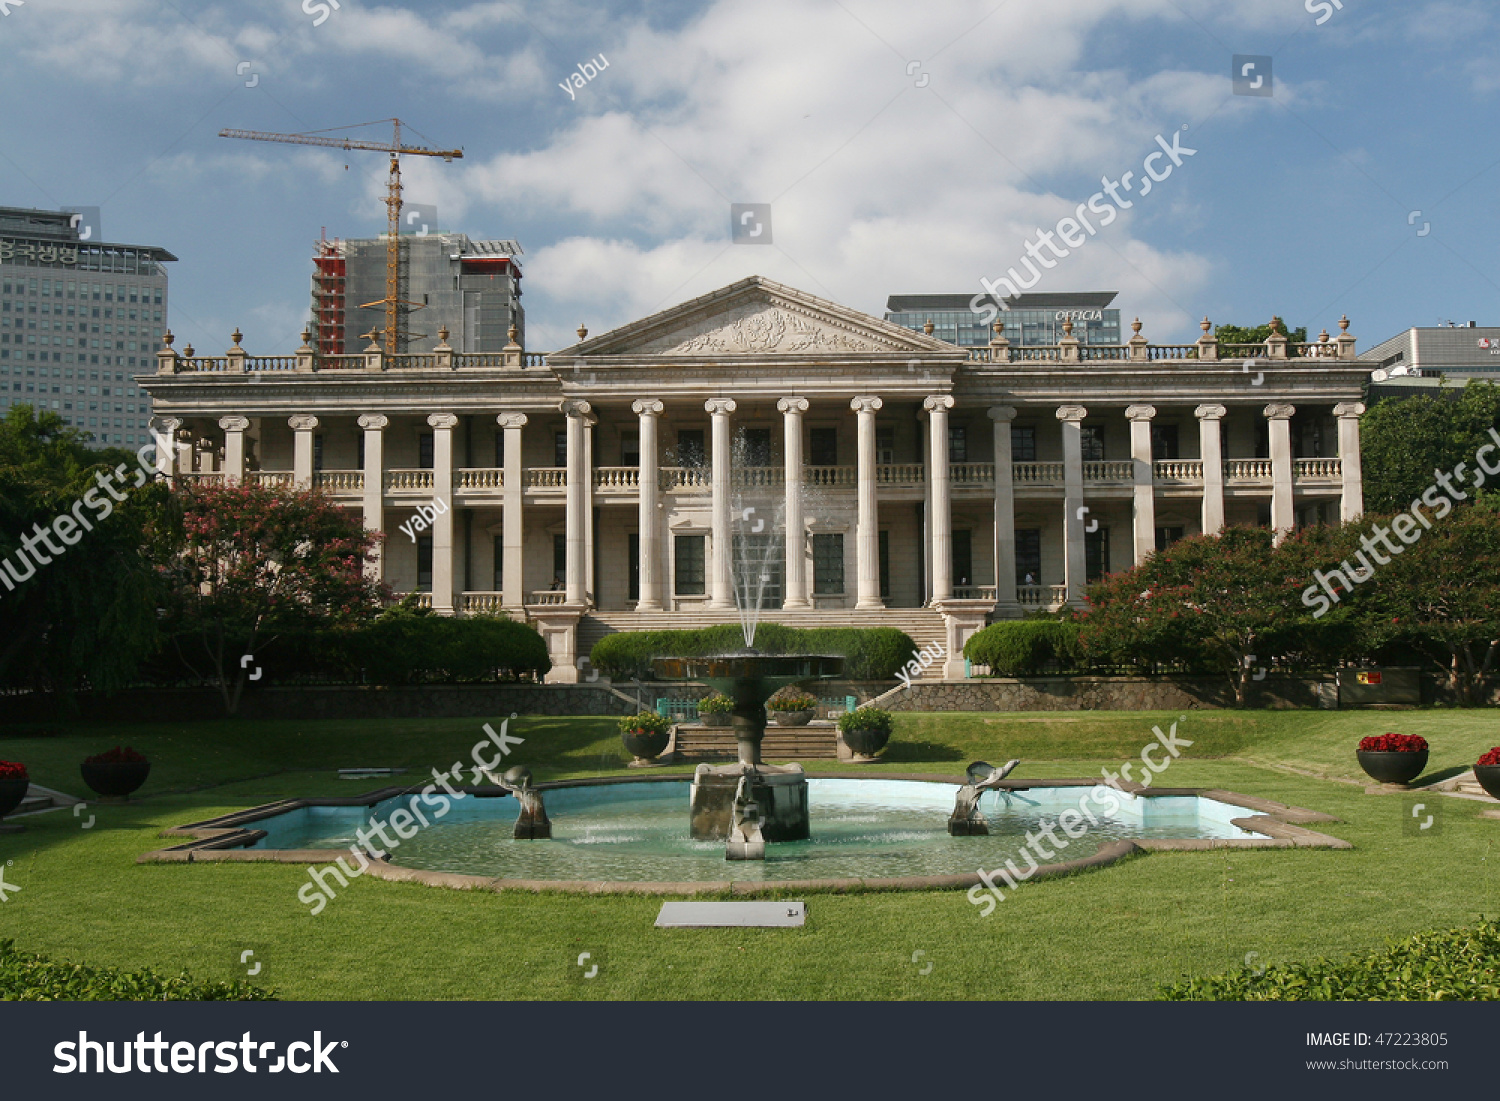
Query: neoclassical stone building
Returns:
{"type": "Point", "coordinates": [642, 477]}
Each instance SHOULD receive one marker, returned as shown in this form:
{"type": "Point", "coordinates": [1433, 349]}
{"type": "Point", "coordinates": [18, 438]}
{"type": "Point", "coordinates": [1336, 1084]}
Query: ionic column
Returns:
{"type": "Point", "coordinates": [1006, 604]}
{"type": "Point", "coordinates": [937, 407]}
{"type": "Point", "coordinates": [1143, 474]}
{"type": "Point", "coordinates": [588, 509]}
{"type": "Point", "coordinates": [578, 500]}
{"type": "Point", "coordinates": [373, 491]}
{"type": "Point", "coordinates": [721, 585]}
{"type": "Point", "coordinates": [795, 586]}
{"type": "Point", "coordinates": [442, 526]}
{"type": "Point", "coordinates": [1352, 503]}
{"type": "Point", "coordinates": [867, 530]}
{"type": "Point", "coordinates": [1283, 516]}
{"type": "Point", "coordinates": [648, 410]}
{"type": "Point", "coordinates": [164, 433]}
{"type": "Point", "coordinates": [1075, 560]}
{"type": "Point", "coordinates": [234, 448]}
{"type": "Point", "coordinates": [1211, 447]}
{"type": "Point", "coordinates": [512, 531]}
{"type": "Point", "coordinates": [302, 449]}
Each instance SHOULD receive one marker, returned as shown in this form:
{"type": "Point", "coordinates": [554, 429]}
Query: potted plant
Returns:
{"type": "Point", "coordinates": [715, 710]}
{"type": "Point", "coordinates": [792, 708]}
{"type": "Point", "coordinates": [115, 773]}
{"type": "Point", "coordinates": [1393, 758]}
{"type": "Point", "coordinates": [1487, 772]}
{"type": "Point", "coordinates": [866, 730]}
{"type": "Point", "coordinates": [13, 785]}
{"type": "Point", "coordinates": [645, 735]}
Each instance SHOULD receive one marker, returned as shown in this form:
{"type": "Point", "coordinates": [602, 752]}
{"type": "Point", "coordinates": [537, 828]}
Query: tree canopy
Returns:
{"type": "Point", "coordinates": [1406, 441]}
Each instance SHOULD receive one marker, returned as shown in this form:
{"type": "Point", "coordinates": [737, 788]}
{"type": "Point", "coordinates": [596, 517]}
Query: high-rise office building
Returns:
{"type": "Point", "coordinates": [80, 318]}
{"type": "Point", "coordinates": [471, 288]}
{"type": "Point", "coordinates": [1030, 319]}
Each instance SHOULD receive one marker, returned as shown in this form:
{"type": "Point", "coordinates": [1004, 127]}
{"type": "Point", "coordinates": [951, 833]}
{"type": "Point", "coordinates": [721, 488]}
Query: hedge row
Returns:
{"type": "Point", "coordinates": [870, 653]}
{"type": "Point", "coordinates": [26, 977]}
{"type": "Point", "coordinates": [1026, 647]}
{"type": "Point", "coordinates": [1445, 965]}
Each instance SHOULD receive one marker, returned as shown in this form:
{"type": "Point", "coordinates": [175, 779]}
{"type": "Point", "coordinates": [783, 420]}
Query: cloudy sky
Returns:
{"type": "Point", "coordinates": [904, 148]}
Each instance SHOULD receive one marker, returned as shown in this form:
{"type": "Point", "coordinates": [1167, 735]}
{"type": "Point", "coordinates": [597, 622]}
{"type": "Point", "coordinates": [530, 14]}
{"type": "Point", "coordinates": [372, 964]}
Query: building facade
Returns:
{"type": "Point", "coordinates": [644, 477]}
{"type": "Point", "coordinates": [79, 320]}
{"type": "Point", "coordinates": [1030, 319]}
{"type": "Point", "coordinates": [470, 288]}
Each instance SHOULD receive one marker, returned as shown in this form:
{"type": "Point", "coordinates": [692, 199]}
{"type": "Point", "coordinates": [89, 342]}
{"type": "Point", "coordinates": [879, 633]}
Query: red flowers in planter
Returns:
{"type": "Point", "coordinates": [120, 755]}
{"type": "Point", "coordinates": [1490, 758]}
{"type": "Point", "coordinates": [9, 770]}
{"type": "Point", "coordinates": [1393, 743]}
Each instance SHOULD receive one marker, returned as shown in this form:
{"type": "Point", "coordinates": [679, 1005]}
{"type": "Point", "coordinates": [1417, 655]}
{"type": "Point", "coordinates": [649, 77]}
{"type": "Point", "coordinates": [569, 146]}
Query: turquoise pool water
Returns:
{"type": "Point", "coordinates": [861, 828]}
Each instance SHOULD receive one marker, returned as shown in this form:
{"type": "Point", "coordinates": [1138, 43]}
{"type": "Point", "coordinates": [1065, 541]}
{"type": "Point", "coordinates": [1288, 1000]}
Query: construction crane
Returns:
{"type": "Point", "coordinates": [394, 303]}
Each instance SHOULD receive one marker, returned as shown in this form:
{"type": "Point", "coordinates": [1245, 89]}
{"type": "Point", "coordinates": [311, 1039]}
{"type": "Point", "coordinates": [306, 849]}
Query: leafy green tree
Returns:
{"type": "Point", "coordinates": [1259, 334]}
{"type": "Point", "coordinates": [84, 617]}
{"type": "Point", "coordinates": [1404, 443]}
{"type": "Point", "coordinates": [254, 561]}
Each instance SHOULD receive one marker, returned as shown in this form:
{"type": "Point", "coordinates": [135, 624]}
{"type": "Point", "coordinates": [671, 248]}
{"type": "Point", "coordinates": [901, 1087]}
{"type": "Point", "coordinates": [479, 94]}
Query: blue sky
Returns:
{"type": "Point", "coordinates": [884, 176]}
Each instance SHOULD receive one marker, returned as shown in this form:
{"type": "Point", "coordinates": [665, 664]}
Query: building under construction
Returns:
{"type": "Point", "coordinates": [473, 288]}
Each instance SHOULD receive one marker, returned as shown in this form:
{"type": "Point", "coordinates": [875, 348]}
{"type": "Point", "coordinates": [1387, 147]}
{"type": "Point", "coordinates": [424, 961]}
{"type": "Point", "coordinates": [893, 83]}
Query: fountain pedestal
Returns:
{"type": "Point", "coordinates": [780, 791]}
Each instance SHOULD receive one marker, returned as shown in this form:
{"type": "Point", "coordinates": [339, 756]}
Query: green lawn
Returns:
{"type": "Point", "coordinates": [1116, 933]}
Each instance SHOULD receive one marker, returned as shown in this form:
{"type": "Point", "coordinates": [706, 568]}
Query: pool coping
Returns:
{"type": "Point", "coordinates": [222, 839]}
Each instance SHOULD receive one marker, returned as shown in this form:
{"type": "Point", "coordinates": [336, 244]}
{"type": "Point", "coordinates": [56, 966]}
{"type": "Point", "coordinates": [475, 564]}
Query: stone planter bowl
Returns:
{"type": "Point", "coordinates": [645, 745]}
{"type": "Point", "coordinates": [1489, 778]}
{"type": "Point", "coordinates": [11, 794]}
{"type": "Point", "coordinates": [715, 718]}
{"type": "Point", "coordinates": [865, 742]}
{"type": "Point", "coordinates": [1392, 768]}
{"type": "Point", "coordinates": [116, 779]}
{"type": "Point", "coordinates": [794, 718]}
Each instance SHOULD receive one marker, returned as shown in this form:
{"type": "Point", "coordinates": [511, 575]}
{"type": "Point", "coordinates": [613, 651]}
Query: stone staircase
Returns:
{"type": "Point", "coordinates": [814, 742]}
{"type": "Point", "coordinates": [925, 626]}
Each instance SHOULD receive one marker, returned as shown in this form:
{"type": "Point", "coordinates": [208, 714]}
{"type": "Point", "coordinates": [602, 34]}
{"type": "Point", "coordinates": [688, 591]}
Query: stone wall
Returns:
{"type": "Point", "coordinates": [1107, 694]}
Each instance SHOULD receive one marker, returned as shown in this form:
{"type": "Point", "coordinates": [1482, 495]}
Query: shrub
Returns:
{"type": "Point", "coordinates": [120, 755]}
{"type": "Point", "coordinates": [401, 647]}
{"type": "Point", "coordinates": [791, 701]}
{"type": "Point", "coordinates": [717, 704]}
{"type": "Point", "coordinates": [869, 653]}
{"type": "Point", "coordinates": [1490, 758]}
{"type": "Point", "coordinates": [1393, 743]}
{"type": "Point", "coordinates": [867, 718]}
{"type": "Point", "coordinates": [1446, 965]}
{"type": "Point", "coordinates": [26, 977]}
{"type": "Point", "coordinates": [646, 721]}
{"type": "Point", "coordinates": [1025, 647]}
{"type": "Point", "coordinates": [9, 770]}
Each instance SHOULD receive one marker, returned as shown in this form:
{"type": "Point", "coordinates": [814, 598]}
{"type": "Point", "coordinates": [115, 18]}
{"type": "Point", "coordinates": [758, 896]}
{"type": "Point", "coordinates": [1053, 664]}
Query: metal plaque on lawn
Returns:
{"type": "Point", "coordinates": [706, 915]}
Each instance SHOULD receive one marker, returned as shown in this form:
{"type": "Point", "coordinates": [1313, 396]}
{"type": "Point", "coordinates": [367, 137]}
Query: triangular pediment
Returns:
{"type": "Point", "coordinates": [756, 317]}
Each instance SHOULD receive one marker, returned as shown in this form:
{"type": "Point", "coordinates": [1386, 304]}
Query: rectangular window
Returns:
{"type": "Point", "coordinates": [958, 443]}
{"type": "Point", "coordinates": [359, 444]}
{"type": "Point", "coordinates": [560, 449]}
{"type": "Point", "coordinates": [828, 564]}
{"type": "Point", "coordinates": [1093, 443]}
{"type": "Point", "coordinates": [1096, 554]}
{"type": "Point", "coordinates": [424, 563]}
{"type": "Point", "coordinates": [1029, 556]}
{"type": "Point", "coordinates": [885, 446]}
{"type": "Point", "coordinates": [757, 447]}
{"type": "Point", "coordinates": [559, 561]}
{"type": "Point", "coordinates": [630, 449]}
{"type": "Point", "coordinates": [823, 446]}
{"type": "Point", "coordinates": [500, 449]}
{"type": "Point", "coordinates": [424, 451]}
{"type": "Point", "coordinates": [633, 550]}
{"type": "Point", "coordinates": [691, 576]}
{"type": "Point", "coordinates": [1164, 441]}
{"type": "Point", "coordinates": [963, 558]}
{"type": "Point", "coordinates": [885, 565]}
{"type": "Point", "coordinates": [1165, 537]}
{"type": "Point", "coordinates": [499, 564]}
{"type": "Point", "coordinates": [690, 447]}
{"type": "Point", "coordinates": [318, 453]}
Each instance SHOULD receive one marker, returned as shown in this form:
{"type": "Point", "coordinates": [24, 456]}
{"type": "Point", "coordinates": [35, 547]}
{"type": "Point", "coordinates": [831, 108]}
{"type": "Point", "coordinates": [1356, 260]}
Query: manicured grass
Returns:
{"type": "Point", "coordinates": [1119, 932]}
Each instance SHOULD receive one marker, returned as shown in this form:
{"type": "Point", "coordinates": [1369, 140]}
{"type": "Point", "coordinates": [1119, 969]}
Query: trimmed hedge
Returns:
{"type": "Point", "coordinates": [1026, 647]}
{"type": "Point", "coordinates": [27, 977]}
{"type": "Point", "coordinates": [402, 649]}
{"type": "Point", "coordinates": [1460, 964]}
{"type": "Point", "coordinates": [870, 653]}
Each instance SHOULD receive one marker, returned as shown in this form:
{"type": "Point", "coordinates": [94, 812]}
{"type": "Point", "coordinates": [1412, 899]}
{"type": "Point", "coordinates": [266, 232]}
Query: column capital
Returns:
{"type": "Point", "coordinates": [1210, 412]}
{"type": "Point", "coordinates": [866, 404]}
{"type": "Point", "coordinates": [1349, 410]}
{"type": "Point", "coordinates": [303, 422]}
{"type": "Point", "coordinates": [1071, 412]}
{"type": "Point", "coordinates": [374, 421]}
{"type": "Point", "coordinates": [719, 407]}
{"type": "Point", "coordinates": [576, 407]}
{"type": "Point", "coordinates": [647, 407]}
{"type": "Point", "coordinates": [511, 420]}
{"type": "Point", "coordinates": [169, 425]}
{"type": "Point", "coordinates": [442, 420]}
{"type": "Point", "coordinates": [1002, 413]}
{"type": "Point", "coordinates": [239, 424]}
{"type": "Point", "coordinates": [1280, 411]}
{"type": "Point", "coordinates": [792, 405]}
{"type": "Point", "coordinates": [934, 402]}
{"type": "Point", "coordinates": [1139, 412]}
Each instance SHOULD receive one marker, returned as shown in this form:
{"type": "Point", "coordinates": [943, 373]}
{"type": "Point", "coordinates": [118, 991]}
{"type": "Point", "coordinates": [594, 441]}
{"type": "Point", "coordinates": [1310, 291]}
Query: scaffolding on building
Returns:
{"type": "Point", "coordinates": [329, 277]}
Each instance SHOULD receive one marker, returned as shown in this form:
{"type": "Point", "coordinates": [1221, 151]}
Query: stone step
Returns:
{"type": "Point", "coordinates": [812, 743]}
